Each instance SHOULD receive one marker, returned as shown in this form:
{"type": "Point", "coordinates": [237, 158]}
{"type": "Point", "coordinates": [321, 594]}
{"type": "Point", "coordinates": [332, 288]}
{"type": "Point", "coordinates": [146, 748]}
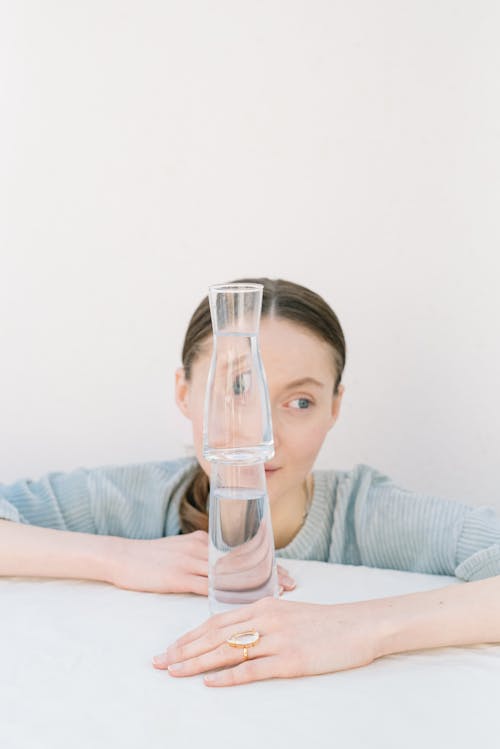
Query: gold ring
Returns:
{"type": "Point", "coordinates": [244, 640]}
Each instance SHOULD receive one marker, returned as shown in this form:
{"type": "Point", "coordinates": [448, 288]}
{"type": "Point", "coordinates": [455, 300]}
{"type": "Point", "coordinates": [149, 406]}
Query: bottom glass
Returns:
{"type": "Point", "coordinates": [241, 560]}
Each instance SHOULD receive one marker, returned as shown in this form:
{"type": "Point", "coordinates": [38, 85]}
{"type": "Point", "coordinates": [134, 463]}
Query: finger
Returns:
{"type": "Point", "coordinates": [188, 583]}
{"type": "Point", "coordinates": [193, 566]}
{"type": "Point", "coordinates": [229, 577]}
{"type": "Point", "coordinates": [251, 670]}
{"type": "Point", "coordinates": [247, 613]}
{"type": "Point", "coordinates": [218, 621]}
{"type": "Point", "coordinates": [222, 655]}
{"type": "Point", "coordinates": [210, 640]}
{"type": "Point", "coordinates": [286, 582]}
{"type": "Point", "coordinates": [250, 546]}
{"type": "Point", "coordinates": [214, 638]}
{"type": "Point", "coordinates": [245, 572]}
{"type": "Point", "coordinates": [204, 638]}
{"type": "Point", "coordinates": [198, 584]}
{"type": "Point", "coordinates": [257, 576]}
{"type": "Point", "coordinates": [285, 579]}
{"type": "Point", "coordinates": [237, 563]}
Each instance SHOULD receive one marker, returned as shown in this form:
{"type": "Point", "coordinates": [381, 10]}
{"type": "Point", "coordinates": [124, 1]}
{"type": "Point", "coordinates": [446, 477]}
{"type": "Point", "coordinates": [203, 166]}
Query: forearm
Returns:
{"type": "Point", "coordinates": [28, 550]}
{"type": "Point", "coordinates": [462, 614]}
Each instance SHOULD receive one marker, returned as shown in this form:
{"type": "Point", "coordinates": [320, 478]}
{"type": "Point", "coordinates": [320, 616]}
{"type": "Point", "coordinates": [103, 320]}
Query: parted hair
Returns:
{"type": "Point", "coordinates": [280, 299]}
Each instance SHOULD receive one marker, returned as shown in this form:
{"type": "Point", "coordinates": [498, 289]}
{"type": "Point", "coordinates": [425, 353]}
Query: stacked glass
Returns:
{"type": "Point", "coordinates": [238, 440]}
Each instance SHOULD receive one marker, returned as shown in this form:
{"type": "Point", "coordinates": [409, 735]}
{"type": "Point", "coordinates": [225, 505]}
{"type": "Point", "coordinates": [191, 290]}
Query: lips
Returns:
{"type": "Point", "coordinates": [272, 469]}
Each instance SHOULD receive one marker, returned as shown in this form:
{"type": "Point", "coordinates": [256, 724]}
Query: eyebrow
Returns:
{"type": "Point", "coordinates": [237, 361]}
{"type": "Point", "coordinates": [304, 381]}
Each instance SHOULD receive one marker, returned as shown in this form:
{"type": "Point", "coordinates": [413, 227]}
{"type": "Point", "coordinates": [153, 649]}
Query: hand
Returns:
{"type": "Point", "coordinates": [246, 567]}
{"type": "Point", "coordinates": [175, 564]}
{"type": "Point", "coordinates": [296, 639]}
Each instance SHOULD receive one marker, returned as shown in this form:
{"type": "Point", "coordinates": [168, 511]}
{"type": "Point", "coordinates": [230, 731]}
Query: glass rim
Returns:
{"type": "Point", "coordinates": [235, 288]}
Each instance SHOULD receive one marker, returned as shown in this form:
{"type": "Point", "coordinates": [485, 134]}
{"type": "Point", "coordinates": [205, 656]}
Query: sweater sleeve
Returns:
{"type": "Point", "coordinates": [57, 500]}
{"type": "Point", "coordinates": [129, 501]}
{"type": "Point", "coordinates": [378, 524]}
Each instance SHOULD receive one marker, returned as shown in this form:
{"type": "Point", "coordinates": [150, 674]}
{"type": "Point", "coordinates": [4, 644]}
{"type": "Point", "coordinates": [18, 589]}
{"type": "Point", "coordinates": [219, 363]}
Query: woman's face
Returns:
{"type": "Point", "coordinates": [300, 377]}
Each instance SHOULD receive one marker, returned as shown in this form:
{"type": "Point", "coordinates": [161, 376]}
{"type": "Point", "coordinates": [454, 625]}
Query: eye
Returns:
{"type": "Point", "coordinates": [303, 403]}
{"type": "Point", "coordinates": [241, 383]}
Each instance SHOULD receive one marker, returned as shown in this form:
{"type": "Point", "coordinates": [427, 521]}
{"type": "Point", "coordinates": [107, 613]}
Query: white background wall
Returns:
{"type": "Point", "coordinates": [150, 149]}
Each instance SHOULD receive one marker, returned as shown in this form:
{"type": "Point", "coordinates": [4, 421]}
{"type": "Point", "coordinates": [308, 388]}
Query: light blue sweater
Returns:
{"type": "Point", "coordinates": [356, 517]}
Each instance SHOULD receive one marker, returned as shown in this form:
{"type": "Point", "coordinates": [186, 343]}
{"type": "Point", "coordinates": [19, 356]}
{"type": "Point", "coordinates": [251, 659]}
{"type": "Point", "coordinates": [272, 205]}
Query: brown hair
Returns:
{"type": "Point", "coordinates": [282, 299]}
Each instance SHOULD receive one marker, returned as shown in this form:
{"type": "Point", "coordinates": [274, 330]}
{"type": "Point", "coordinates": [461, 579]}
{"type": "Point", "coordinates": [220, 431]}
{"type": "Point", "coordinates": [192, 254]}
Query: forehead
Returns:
{"type": "Point", "coordinates": [290, 351]}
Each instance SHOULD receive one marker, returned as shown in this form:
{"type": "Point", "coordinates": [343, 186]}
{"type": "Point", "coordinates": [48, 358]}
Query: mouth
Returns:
{"type": "Point", "coordinates": [270, 470]}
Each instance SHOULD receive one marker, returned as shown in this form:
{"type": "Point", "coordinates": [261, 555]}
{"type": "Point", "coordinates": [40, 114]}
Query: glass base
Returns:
{"type": "Point", "coordinates": [248, 455]}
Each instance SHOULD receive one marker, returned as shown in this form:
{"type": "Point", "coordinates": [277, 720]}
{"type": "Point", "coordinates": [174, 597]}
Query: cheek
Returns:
{"type": "Point", "coordinates": [197, 428]}
{"type": "Point", "coordinates": [197, 422]}
{"type": "Point", "coordinates": [197, 399]}
{"type": "Point", "coordinates": [303, 437]}
{"type": "Point", "coordinates": [195, 406]}
{"type": "Point", "coordinates": [313, 441]}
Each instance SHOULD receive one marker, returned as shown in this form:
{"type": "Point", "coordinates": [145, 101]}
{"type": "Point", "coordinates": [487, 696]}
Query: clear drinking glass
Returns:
{"type": "Point", "coordinates": [237, 419]}
{"type": "Point", "coordinates": [241, 561]}
{"type": "Point", "coordinates": [238, 439]}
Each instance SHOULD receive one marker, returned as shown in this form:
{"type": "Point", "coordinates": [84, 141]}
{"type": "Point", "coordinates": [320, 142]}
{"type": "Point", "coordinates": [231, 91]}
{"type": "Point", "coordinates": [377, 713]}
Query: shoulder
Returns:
{"type": "Point", "coordinates": [365, 488]}
{"type": "Point", "coordinates": [358, 490]}
{"type": "Point", "coordinates": [351, 482]}
{"type": "Point", "coordinates": [164, 472]}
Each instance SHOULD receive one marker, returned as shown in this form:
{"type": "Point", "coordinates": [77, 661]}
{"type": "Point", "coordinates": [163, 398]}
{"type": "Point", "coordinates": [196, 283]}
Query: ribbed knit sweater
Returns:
{"type": "Point", "coordinates": [356, 517]}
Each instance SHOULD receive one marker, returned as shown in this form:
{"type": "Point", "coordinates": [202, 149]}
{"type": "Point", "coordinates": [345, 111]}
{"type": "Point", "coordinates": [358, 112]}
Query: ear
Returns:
{"type": "Point", "coordinates": [182, 392]}
{"type": "Point", "coordinates": [336, 403]}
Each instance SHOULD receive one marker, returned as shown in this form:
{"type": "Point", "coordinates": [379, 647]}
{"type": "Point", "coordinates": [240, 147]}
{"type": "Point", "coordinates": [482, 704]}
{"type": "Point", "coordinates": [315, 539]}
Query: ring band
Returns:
{"type": "Point", "coordinates": [244, 640]}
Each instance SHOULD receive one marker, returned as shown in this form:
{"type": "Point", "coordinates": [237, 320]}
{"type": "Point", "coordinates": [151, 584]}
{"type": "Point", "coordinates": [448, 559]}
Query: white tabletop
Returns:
{"type": "Point", "coordinates": [75, 671]}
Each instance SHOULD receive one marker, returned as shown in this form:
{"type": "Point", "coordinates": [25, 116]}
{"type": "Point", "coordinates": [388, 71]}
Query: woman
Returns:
{"type": "Point", "coordinates": [144, 526]}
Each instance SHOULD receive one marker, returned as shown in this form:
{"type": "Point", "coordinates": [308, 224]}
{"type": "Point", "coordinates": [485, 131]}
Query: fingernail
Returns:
{"type": "Point", "coordinates": [176, 667]}
{"type": "Point", "coordinates": [289, 580]}
{"type": "Point", "coordinates": [211, 677]}
{"type": "Point", "coordinates": [281, 590]}
{"type": "Point", "coordinates": [159, 659]}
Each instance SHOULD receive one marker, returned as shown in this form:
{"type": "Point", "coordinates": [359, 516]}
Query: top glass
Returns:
{"type": "Point", "coordinates": [237, 419]}
{"type": "Point", "coordinates": [235, 308]}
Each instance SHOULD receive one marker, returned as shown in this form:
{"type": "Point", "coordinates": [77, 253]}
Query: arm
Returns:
{"type": "Point", "coordinates": [113, 524]}
{"type": "Point", "coordinates": [456, 615]}
{"type": "Point", "coordinates": [102, 524]}
{"type": "Point", "coordinates": [177, 564]}
{"type": "Point", "coordinates": [45, 552]}
{"type": "Point", "coordinates": [47, 529]}
{"type": "Point", "coordinates": [165, 565]}
{"type": "Point", "coordinates": [346, 635]}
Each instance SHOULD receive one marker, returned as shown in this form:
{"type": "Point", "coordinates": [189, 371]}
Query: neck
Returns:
{"type": "Point", "coordinates": [289, 513]}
